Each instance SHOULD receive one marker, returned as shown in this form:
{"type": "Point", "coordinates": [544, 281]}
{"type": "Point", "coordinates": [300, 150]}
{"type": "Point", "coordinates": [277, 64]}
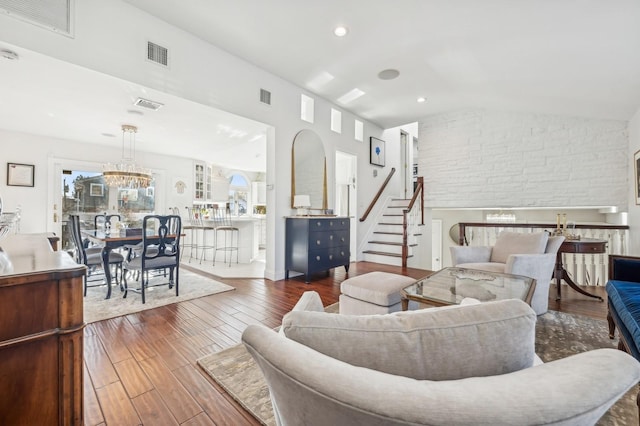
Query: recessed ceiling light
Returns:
{"type": "Point", "coordinates": [422, 99]}
{"type": "Point", "coordinates": [389, 74]}
{"type": "Point", "coordinates": [340, 31]}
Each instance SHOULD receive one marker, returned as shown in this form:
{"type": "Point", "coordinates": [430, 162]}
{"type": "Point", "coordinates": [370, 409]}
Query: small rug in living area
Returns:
{"type": "Point", "coordinates": [97, 308]}
{"type": "Point", "coordinates": [558, 335]}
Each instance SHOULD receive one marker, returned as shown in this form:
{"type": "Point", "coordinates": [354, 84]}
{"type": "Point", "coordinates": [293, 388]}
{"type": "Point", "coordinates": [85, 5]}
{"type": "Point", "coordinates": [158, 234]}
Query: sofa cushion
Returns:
{"type": "Point", "coordinates": [431, 344]}
{"type": "Point", "coordinates": [518, 243]}
{"type": "Point", "coordinates": [624, 296]}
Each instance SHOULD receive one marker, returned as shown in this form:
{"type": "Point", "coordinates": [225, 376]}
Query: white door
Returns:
{"type": "Point", "coordinates": [436, 244]}
{"type": "Point", "coordinates": [407, 192]}
{"type": "Point", "coordinates": [346, 201]}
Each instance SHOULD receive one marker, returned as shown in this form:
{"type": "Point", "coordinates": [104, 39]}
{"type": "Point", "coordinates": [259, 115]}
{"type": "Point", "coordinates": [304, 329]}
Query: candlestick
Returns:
{"type": "Point", "coordinates": [558, 221]}
{"type": "Point", "coordinates": [564, 221]}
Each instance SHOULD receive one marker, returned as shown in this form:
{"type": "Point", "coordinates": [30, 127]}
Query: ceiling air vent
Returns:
{"type": "Point", "coordinates": [265, 96]}
{"type": "Point", "coordinates": [157, 54]}
{"type": "Point", "coordinates": [54, 15]}
{"type": "Point", "coordinates": [145, 103]}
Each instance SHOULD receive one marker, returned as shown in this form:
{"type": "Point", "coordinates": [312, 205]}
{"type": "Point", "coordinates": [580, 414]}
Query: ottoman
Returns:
{"type": "Point", "coordinates": [372, 293]}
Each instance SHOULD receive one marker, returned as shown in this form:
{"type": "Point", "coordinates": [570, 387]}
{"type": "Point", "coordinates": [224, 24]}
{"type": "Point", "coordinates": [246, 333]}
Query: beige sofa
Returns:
{"type": "Point", "coordinates": [469, 365]}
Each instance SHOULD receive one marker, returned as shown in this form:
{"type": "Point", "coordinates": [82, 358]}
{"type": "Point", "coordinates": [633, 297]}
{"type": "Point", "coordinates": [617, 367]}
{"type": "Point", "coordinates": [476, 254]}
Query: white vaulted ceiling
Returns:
{"type": "Point", "coordinates": [568, 57]}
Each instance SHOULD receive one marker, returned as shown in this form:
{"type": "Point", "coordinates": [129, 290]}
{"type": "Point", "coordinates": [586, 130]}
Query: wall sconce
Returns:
{"type": "Point", "coordinates": [302, 203]}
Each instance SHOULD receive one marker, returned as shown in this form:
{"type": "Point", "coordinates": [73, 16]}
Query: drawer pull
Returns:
{"type": "Point", "coordinates": [318, 242]}
{"type": "Point", "coordinates": [342, 239]}
{"type": "Point", "coordinates": [330, 257]}
{"type": "Point", "coordinates": [331, 237]}
{"type": "Point", "coordinates": [330, 223]}
{"type": "Point", "coordinates": [318, 258]}
{"type": "Point", "coordinates": [318, 223]}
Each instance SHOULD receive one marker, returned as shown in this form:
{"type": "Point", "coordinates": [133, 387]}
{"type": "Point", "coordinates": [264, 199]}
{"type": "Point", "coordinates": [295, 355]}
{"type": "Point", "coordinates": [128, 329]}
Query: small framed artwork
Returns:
{"type": "Point", "coordinates": [96, 190]}
{"type": "Point", "coordinates": [376, 156]}
{"type": "Point", "coordinates": [20, 174]}
{"type": "Point", "coordinates": [636, 163]}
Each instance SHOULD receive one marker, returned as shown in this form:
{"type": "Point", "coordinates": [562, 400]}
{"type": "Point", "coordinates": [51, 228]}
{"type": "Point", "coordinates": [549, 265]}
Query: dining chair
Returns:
{"type": "Point", "coordinates": [92, 257]}
{"type": "Point", "coordinates": [105, 221]}
{"type": "Point", "coordinates": [161, 251]}
{"type": "Point", "coordinates": [222, 221]}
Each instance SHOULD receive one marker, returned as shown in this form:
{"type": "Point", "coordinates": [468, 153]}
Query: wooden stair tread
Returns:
{"type": "Point", "coordinates": [384, 253]}
{"type": "Point", "coordinates": [391, 243]}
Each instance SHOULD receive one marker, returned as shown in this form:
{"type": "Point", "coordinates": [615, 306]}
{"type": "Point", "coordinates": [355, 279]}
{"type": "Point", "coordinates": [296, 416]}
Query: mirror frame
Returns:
{"type": "Point", "coordinates": [293, 172]}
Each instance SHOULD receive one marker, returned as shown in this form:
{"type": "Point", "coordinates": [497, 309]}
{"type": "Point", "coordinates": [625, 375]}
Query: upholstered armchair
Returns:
{"type": "Point", "coordinates": [529, 254]}
{"type": "Point", "coordinates": [460, 365]}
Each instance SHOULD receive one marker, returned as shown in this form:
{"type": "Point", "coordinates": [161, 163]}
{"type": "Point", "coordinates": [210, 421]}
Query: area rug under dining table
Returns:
{"type": "Point", "coordinates": [192, 285]}
{"type": "Point", "coordinates": [558, 335]}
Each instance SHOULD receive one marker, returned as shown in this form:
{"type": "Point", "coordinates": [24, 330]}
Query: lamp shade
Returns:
{"type": "Point", "coordinates": [301, 201]}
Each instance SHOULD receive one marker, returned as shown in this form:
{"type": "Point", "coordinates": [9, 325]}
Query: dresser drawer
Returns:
{"type": "Point", "coordinates": [328, 239]}
{"type": "Point", "coordinates": [325, 259]}
{"type": "Point", "coordinates": [328, 224]}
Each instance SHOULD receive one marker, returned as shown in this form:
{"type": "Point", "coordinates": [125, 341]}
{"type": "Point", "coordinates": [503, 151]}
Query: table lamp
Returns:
{"type": "Point", "coordinates": [302, 203]}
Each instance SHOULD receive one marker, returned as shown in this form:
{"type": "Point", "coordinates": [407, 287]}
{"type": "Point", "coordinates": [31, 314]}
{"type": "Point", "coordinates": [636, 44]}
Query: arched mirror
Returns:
{"type": "Point", "coordinates": [309, 169]}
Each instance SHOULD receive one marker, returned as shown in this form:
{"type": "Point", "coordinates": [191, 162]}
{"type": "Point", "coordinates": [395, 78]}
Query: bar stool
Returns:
{"type": "Point", "coordinates": [222, 220]}
{"type": "Point", "coordinates": [191, 226]}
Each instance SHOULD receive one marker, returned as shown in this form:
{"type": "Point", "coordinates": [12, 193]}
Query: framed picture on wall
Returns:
{"type": "Point", "coordinates": [20, 174]}
{"type": "Point", "coordinates": [636, 163]}
{"type": "Point", "coordinates": [377, 154]}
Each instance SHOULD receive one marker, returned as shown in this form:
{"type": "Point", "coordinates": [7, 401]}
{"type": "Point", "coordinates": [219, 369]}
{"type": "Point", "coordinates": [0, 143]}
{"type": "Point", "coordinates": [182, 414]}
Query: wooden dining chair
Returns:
{"type": "Point", "coordinates": [92, 257]}
{"type": "Point", "coordinates": [161, 251]}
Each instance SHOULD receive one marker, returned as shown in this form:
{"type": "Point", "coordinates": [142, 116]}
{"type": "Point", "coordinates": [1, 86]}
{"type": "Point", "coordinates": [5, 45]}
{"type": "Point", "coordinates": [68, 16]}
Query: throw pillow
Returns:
{"type": "Point", "coordinates": [518, 243]}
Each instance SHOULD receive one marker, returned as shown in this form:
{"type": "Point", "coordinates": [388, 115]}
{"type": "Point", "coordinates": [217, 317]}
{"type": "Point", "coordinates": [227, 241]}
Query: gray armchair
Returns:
{"type": "Point", "coordinates": [529, 254]}
{"type": "Point", "coordinates": [462, 365]}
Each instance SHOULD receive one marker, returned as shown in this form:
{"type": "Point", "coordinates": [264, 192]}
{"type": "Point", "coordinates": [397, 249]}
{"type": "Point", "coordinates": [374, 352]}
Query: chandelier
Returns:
{"type": "Point", "coordinates": [127, 174]}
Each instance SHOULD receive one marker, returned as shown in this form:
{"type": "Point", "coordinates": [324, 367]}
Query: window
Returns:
{"type": "Point", "coordinates": [336, 120]}
{"type": "Point", "coordinates": [306, 108]}
{"type": "Point", "coordinates": [238, 195]}
{"type": "Point", "coordinates": [359, 130]}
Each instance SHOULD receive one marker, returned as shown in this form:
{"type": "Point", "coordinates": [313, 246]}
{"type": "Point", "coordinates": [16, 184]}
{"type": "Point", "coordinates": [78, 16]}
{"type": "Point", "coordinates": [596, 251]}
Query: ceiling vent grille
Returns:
{"type": "Point", "coordinates": [157, 54]}
{"type": "Point", "coordinates": [265, 96]}
{"type": "Point", "coordinates": [145, 103]}
{"type": "Point", "coordinates": [54, 15]}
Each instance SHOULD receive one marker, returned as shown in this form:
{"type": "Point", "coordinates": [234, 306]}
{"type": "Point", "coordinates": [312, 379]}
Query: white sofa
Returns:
{"type": "Point", "coordinates": [529, 254]}
{"type": "Point", "coordinates": [462, 365]}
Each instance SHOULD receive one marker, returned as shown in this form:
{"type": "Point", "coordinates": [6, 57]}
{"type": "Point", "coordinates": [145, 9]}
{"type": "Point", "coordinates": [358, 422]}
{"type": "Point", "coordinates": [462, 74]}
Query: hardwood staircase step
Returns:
{"type": "Point", "coordinates": [383, 253]}
{"type": "Point", "coordinates": [390, 243]}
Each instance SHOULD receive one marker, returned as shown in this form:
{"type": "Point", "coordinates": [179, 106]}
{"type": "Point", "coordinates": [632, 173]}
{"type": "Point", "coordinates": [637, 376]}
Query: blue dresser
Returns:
{"type": "Point", "coordinates": [315, 244]}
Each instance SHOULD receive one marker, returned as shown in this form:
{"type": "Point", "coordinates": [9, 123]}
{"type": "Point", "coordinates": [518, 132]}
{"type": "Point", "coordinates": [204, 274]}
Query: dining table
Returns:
{"type": "Point", "coordinates": [116, 239]}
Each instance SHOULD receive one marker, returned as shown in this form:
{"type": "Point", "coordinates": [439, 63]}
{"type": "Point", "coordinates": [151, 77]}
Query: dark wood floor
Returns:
{"type": "Point", "coordinates": [141, 369]}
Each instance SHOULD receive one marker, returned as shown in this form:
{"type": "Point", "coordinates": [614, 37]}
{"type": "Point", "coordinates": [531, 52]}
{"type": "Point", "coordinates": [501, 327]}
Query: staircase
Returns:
{"type": "Point", "coordinates": [386, 243]}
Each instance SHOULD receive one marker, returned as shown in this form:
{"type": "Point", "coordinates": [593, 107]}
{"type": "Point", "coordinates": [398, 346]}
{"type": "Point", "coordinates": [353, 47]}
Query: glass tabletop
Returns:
{"type": "Point", "coordinates": [450, 285]}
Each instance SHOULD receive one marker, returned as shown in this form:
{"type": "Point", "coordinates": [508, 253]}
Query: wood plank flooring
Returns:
{"type": "Point", "coordinates": [141, 369]}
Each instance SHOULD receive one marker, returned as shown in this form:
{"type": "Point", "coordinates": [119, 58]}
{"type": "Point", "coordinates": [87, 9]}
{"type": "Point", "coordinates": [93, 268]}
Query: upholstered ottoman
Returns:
{"type": "Point", "coordinates": [372, 293]}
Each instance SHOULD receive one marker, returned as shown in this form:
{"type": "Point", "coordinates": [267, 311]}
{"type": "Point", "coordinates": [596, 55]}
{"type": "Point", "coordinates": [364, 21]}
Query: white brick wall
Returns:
{"type": "Point", "coordinates": [483, 158]}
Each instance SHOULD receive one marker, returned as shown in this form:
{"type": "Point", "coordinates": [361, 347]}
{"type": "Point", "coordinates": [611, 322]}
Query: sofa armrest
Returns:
{"type": "Point", "coordinates": [470, 254]}
{"type": "Point", "coordinates": [624, 268]}
{"type": "Point", "coordinates": [311, 388]}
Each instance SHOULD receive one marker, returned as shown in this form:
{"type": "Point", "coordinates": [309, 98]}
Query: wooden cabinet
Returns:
{"type": "Point", "coordinates": [41, 334]}
{"type": "Point", "coordinates": [315, 244]}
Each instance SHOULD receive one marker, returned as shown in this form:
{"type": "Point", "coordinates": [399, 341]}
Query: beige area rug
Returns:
{"type": "Point", "coordinates": [557, 335]}
{"type": "Point", "coordinates": [97, 308]}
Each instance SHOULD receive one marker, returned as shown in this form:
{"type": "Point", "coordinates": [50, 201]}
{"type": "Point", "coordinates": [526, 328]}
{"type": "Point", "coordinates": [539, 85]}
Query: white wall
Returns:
{"type": "Point", "coordinates": [41, 151]}
{"type": "Point", "coordinates": [482, 158]}
{"type": "Point", "coordinates": [634, 209]}
{"type": "Point", "coordinates": [110, 37]}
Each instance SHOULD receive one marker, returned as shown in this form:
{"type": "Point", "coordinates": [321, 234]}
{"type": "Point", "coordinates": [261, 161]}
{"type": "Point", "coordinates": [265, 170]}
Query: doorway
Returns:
{"type": "Point", "coordinates": [346, 202]}
{"type": "Point", "coordinates": [79, 188]}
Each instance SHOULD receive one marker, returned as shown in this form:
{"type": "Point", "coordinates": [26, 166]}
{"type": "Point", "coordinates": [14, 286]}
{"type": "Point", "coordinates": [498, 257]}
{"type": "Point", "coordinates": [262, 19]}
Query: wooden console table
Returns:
{"type": "Point", "coordinates": [41, 333]}
{"type": "Point", "coordinates": [581, 246]}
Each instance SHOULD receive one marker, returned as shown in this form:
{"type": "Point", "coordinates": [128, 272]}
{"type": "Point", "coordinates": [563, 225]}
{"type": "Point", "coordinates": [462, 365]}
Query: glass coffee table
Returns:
{"type": "Point", "coordinates": [449, 286]}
